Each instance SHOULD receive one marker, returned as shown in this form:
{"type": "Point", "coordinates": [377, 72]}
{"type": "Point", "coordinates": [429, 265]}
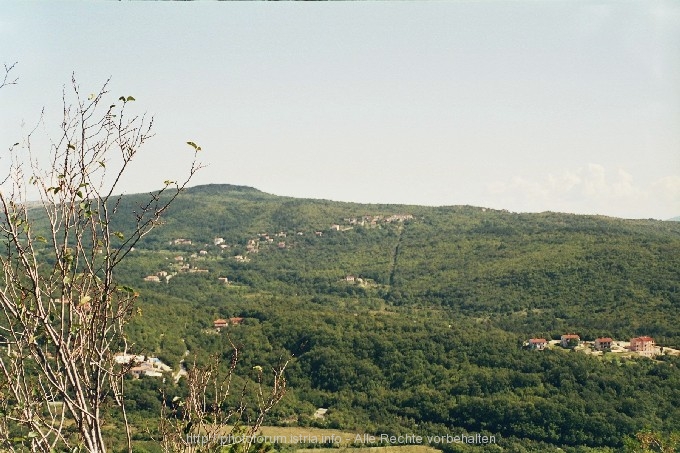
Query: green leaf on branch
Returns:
{"type": "Point", "coordinates": [126, 289]}
{"type": "Point", "coordinates": [194, 145]}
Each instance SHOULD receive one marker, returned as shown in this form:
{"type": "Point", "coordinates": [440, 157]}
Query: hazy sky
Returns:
{"type": "Point", "coordinates": [528, 105]}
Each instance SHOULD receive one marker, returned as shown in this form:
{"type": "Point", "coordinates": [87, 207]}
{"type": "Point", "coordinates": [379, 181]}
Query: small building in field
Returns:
{"type": "Point", "coordinates": [603, 344]}
{"type": "Point", "coordinates": [570, 340]}
{"type": "Point", "coordinates": [152, 278]}
{"type": "Point", "coordinates": [538, 344]}
{"type": "Point", "coordinates": [644, 346]}
{"type": "Point", "coordinates": [235, 321]}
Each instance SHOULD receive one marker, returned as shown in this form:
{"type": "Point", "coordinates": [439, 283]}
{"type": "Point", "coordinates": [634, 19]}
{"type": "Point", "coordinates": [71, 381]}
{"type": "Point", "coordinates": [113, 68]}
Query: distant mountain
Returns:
{"type": "Point", "coordinates": [209, 189]}
{"type": "Point", "coordinates": [675, 219]}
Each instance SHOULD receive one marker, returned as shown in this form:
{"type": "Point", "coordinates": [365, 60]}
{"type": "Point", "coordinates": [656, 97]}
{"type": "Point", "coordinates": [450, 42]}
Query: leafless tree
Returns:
{"type": "Point", "coordinates": [62, 313]}
{"type": "Point", "coordinates": [214, 418]}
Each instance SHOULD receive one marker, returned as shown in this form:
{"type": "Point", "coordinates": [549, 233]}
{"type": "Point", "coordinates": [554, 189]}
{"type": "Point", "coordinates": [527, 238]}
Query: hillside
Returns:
{"type": "Point", "coordinates": [409, 319]}
{"type": "Point", "coordinates": [530, 273]}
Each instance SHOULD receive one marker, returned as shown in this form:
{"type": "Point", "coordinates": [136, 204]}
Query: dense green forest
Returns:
{"type": "Point", "coordinates": [411, 319]}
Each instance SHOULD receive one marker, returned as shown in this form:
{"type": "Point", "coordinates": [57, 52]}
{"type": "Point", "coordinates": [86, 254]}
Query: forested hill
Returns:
{"type": "Point", "coordinates": [539, 274]}
{"type": "Point", "coordinates": [411, 319]}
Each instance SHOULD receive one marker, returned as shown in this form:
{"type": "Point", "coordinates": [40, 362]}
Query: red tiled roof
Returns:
{"type": "Point", "coordinates": [570, 335]}
{"type": "Point", "coordinates": [537, 340]}
{"type": "Point", "coordinates": [604, 340]}
{"type": "Point", "coordinates": [642, 339]}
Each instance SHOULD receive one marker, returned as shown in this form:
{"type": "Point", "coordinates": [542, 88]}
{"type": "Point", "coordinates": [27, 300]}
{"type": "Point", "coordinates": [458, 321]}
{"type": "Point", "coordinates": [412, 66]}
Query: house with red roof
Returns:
{"type": "Point", "coordinates": [570, 340]}
{"type": "Point", "coordinates": [220, 324]}
{"type": "Point", "coordinates": [538, 344]}
{"type": "Point", "coordinates": [603, 344]}
{"type": "Point", "coordinates": [644, 346]}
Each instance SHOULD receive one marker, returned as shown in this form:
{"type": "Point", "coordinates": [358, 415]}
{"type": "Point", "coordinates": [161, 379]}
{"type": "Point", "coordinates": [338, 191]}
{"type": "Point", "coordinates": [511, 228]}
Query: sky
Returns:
{"type": "Point", "coordinates": [521, 105]}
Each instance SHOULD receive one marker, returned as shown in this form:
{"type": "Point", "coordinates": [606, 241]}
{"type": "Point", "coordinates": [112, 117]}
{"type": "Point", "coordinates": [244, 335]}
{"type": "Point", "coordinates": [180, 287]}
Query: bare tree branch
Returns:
{"type": "Point", "coordinates": [6, 79]}
{"type": "Point", "coordinates": [62, 313]}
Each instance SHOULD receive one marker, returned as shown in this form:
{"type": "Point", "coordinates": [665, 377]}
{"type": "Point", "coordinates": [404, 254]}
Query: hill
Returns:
{"type": "Point", "coordinates": [411, 320]}
{"type": "Point", "coordinates": [530, 273]}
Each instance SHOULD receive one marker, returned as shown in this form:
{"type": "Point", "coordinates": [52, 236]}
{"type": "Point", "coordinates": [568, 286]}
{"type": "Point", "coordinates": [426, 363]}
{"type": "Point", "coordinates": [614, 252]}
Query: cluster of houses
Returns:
{"type": "Point", "coordinates": [165, 276]}
{"type": "Point", "coordinates": [278, 239]}
{"type": "Point", "coordinates": [370, 221]}
{"type": "Point", "coordinates": [374, 220]}
{"type": "Point", "coordinates": [142, 366]}
{"type": "Point", "coordinates": [181, 265]}
{"type": "Point", "coordinates": [220, 323]}
{"type": "Point", "coordinates": [253, 245]}
{"type": "Point", "coordinates": [644, 346]}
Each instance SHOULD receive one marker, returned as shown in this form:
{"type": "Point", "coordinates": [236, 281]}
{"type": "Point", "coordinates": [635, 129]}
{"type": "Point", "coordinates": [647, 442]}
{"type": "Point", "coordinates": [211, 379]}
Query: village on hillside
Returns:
{"type": "Point", "coordinates": [188, 264]}
{"type": "Point", "coordinates": [643, 346]}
